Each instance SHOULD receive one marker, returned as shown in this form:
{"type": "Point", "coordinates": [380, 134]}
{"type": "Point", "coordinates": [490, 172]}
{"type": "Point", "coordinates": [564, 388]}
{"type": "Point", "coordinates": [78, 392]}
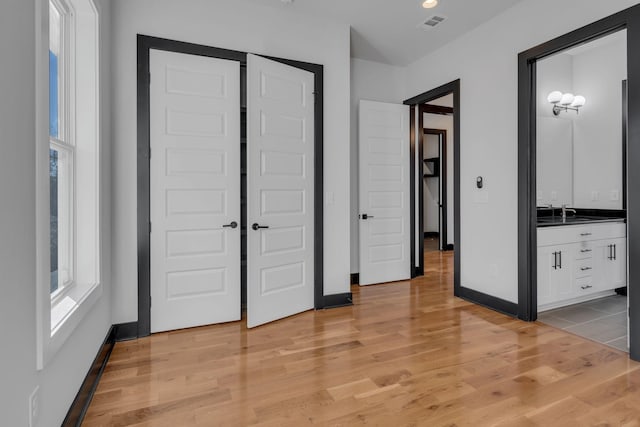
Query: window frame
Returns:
{"type": "Point", "coordinates": [59, 313]}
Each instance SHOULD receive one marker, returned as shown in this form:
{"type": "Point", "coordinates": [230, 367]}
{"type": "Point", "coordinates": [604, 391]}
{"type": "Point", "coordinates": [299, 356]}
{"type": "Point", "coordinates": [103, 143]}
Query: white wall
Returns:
{"type": "Point", "coordinates": [60, 380]}
{"type": "Point", "coordinates": [485, 60]}
{"type": "Point", "coordinates": [244, 27]}
{"type": "Point", "coordinates": [371, 81]}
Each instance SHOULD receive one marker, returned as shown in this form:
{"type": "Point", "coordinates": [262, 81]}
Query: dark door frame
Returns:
{"type": "Point", "coordinates": [628, 19]}
{"type": "Point", "coordinates": [442, 229]}
{"type": "Point", "coordinates": [442, 190]}
{"type": "Point", "coordinates": [416, 141]}
{"type": "Point", "coordinates": [145, 44]}
{"type": "Point", "coordinates": [460, 291]}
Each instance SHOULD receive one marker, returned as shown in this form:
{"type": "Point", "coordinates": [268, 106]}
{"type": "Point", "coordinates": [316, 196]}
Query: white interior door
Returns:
{"type": "Point", "coordinates": [195, 190]}
{"type": "Point", "coordinates": [280, 190]}
{"type": "Point", "coordinates": [385, 240]}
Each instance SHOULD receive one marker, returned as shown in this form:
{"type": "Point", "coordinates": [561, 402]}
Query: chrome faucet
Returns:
{"type": "Point", "coordinates": [564, 212]}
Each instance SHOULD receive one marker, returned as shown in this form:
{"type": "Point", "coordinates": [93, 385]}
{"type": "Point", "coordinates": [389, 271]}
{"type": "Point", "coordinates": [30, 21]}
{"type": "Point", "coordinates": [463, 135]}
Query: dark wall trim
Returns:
{"type": "Point", "coordinates": [145, 43]}
{"type": "Point", "coordinates": [454, 88]}
{"type": "Point", "coordinates": [527, 239]}
{"type": "Point", "coordinates": [80, 404]}
{"type": "Point", "coordinates": [126, 331]}
{"type": "Point", "coordinates": [338, 300]}
{"type": "Point", "coordinates": [489, 301]}
{"type": "Point", "coordinates": [437, 109]}
{"type": "Point", "coordinates": [355, 278]}
{"type": "Point", "coordinates": [428, 234]}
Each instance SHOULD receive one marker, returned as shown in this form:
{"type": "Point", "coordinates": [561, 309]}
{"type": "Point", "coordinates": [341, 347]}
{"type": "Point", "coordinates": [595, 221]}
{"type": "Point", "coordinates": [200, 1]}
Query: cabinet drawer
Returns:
{"type": "Point", "coordinates": [584, 268]}
{"type": "Point", "coordinates": [585, 285]}
{"type": "Point", "coordinates": [580, 233]}
{"type": "Point", "coordinates": [584, 251]}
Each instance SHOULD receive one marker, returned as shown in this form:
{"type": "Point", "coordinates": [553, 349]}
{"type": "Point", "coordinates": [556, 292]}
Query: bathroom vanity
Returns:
{"type": "Point", "coordinates": [580, 258]}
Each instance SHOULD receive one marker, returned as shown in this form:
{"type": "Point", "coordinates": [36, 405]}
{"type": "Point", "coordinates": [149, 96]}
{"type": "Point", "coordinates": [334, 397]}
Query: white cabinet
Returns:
{"type": "Point", "coordinates": [612, 259]}
{"type": "Point", "coordinates": [554, 273]}
{"type": "Point", "coordinates": [580, 262]}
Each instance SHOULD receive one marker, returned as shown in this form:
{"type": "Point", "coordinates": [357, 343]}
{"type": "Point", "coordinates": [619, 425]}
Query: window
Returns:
{"type": "Point", "coordinates": [68, 169]}
{"type": "Point", "coordinates": [61, 154]}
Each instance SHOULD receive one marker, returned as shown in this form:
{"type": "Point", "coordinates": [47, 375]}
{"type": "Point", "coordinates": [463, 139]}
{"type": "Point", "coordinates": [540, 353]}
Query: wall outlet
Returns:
{"type": "Point", "coordinates": [615, 195]}
{"type": "Point", "coordinates": [554, 195]}
{"type": "Point", "coordinates": [34, 407]}
{"type": "Point", "coordinates": [330, 198]}
{"type": "Point", "coordinates": [595, 196]}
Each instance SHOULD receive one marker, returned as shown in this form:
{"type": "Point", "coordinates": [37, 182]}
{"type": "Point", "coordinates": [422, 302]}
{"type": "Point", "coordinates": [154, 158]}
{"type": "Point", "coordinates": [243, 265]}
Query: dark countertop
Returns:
{"type": "Point", "coordinates": [555, 221]}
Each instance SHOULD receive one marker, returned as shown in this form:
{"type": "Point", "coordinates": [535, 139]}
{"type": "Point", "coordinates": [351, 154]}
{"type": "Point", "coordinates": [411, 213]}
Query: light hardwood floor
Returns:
{"type": "Point", "coordinates": [406, 353]}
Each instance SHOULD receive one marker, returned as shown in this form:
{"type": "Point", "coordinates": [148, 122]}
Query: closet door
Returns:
{"type": "Point", "coordinates": [280, 193]}
{"type": "Point", "coordinates": [195, 190]}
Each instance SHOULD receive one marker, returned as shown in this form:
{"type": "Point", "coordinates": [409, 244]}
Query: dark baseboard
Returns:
{"type": "Point", "coordinates": [80, 404]}
{"type": "Point", "coordinates": [338, 300]}
{"type": "Point", "coordinates": [126, 331]}
{"type": "Point", "coordinates": [428, 234]}
{"type": "Point", "coordinates": [488, 301]}
{"type": "Point", "coordinates": [355, 278]}
{"type": "Point", "coordinates": [448, 247]}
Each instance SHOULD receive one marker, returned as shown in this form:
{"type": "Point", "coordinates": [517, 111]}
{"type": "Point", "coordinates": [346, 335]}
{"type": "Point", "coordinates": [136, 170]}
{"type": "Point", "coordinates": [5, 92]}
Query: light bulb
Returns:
{"type": "Point", "coordinates": [554, 97]}
{"type": "Point", "coordinates": [567, 99]}
{"type": "Point", "coordinates": [578, 101]}
{"type": "Point", "coordinates": [428, 4]}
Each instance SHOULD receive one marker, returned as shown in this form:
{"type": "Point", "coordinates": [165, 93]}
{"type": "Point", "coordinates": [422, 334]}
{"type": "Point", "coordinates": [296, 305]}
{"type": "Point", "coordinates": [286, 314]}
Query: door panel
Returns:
{"type": "Point", "coordinates": [195, 190]}
{"type": "Point", "coordinates": [385, 241]}
{"type": "Point", "coordinates": [280, 191]}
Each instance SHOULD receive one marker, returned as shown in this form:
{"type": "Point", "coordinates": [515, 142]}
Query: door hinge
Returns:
{"type": "Point", "coordinates": [149, 226]}
{"type": "Point", "coordinates": [149, 153]}
{"type": "Point", "coordinates": [149, 79]}
{"type": "Point", "coordinates": [150, 301]}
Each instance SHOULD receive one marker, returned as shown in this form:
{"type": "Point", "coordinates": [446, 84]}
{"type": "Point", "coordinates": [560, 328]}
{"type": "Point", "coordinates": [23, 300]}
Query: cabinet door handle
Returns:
{"type": "Point", "coordinates": [610, 257]}
{"type": "Point", "coordinates": [586, 287]}
{"type": "Point", "coordinates": [585, 234]}
{"type": "Point", "coordinates": [560, 260]}
{"type": "Point", "coordinates": [585, 268]}
{"type": "Point", "coordinates": [555, 260]}
{"type": "Point", "coordinates": [615, 252]}
{"type": "Point", "coordinates": [585, 250]}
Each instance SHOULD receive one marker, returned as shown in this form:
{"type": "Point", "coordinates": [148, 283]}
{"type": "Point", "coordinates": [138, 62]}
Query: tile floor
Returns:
{"type": "Point", "coordinates": [603, 320]}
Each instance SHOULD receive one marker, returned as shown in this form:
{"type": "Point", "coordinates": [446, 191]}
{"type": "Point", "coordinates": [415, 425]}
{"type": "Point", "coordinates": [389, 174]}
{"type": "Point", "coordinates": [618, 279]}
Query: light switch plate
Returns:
{"type": "Point", "coordinates": [330, 198]}
{"type": "Point", "coordinates": [554, 195]}
{"type": "Point", "coordinates": [615, 195]}
{"type": "Point", "coordinates": [595, 196]}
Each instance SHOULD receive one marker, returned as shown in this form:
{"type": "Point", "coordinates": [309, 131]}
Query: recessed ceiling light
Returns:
{"type": "Point", "coordinates": [428, 4]}
{"type": "Point", "coordinates": [287, 1]}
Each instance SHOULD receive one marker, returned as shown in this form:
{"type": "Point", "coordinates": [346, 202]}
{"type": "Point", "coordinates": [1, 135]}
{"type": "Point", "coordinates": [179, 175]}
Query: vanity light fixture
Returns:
{"type": "Point", "coordinates": [428, 4]}
{"type": "Point", "coordinates": [565, 102]}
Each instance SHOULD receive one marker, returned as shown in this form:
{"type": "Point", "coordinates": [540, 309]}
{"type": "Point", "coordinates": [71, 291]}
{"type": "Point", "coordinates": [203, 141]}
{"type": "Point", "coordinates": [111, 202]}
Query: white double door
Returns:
{"type": "Point", "coordinates": [195, 193]}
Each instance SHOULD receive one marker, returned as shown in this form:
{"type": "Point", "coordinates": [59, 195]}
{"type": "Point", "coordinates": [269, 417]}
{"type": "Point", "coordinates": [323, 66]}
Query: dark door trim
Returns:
{"type": "Point", "coordinates": [449, 88]}
{"type": "Point", "coordinates": [442, 187]}
{"type": "Point", "coordinates": [458, 290]}
{"type": "Point", "coordinates": [145, 44]}
{"type": "Point", "coordinates": [628, 19]}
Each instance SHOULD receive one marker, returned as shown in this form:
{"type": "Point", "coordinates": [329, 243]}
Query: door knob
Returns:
{"type": "Point", "coordinates": [232, 224]}
{"type": "Point", "coordinates": [365, 216]}
{"type": "Point", "coordinates": [257, 226]}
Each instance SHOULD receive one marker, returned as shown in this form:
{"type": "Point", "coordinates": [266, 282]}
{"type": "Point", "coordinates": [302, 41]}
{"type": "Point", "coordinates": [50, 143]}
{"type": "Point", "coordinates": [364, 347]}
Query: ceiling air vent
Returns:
{"type": "Point", "coordinates": [432, 22]}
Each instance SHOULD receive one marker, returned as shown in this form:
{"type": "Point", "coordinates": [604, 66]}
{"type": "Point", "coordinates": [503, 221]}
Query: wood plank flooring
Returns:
{"type": "Point", "coordinates": [406, 354]}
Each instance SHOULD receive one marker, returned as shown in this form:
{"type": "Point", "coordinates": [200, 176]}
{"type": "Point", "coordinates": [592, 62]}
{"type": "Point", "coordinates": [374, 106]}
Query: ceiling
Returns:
{"type": "Point", "coordinates": [386, 30]}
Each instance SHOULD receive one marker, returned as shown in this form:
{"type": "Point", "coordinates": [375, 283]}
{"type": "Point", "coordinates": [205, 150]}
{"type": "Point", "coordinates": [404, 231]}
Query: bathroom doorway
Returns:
{"type": "Point", "coordinates": [578, 253]}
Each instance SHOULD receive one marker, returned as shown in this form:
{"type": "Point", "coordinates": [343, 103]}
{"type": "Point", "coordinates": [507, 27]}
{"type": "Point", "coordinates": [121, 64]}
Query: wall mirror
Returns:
{"type": "Point", "coordinates": [580, 139]}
